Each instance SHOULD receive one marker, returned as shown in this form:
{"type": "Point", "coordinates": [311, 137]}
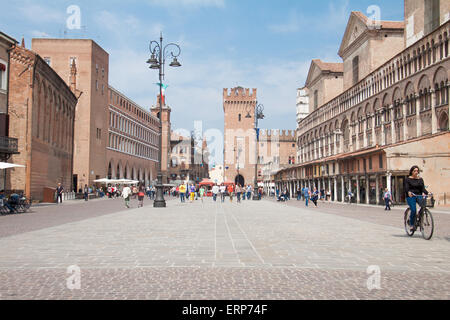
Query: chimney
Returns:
{"type": "Point", "coordinates": [73, 77]}
{"type": "Point", "coordinates": [23, 42]}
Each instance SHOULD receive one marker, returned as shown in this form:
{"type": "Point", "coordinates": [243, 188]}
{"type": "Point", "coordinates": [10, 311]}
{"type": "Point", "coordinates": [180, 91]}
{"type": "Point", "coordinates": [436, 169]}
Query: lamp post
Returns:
{"type": "Point", "coordinates": [157, 62]}
{"type": "Point", "coordinates": [259, 108]}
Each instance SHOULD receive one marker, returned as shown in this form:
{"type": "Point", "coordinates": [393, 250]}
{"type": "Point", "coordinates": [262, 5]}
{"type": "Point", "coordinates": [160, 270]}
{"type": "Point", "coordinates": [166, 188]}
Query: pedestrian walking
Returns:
{"type": "Point", "coordinates": [215, 190]}
{"type": "Point", "coordinates": [349, 196]}
{"type": "Point", "coordinates": [222, 191]}
{"type": "Point", "coordinates": [59, 193]}
{"type": "Point", "coordinates": [238, 193]}
{"type": "Point", "coordinates": [315, 196]}
{"type": "Point", "coordinates": [249, 192]}
{"type": "Point", "coordinates": [182, 193]}
{"type": "Point", "coordinates": [141, 195]}
{"type": "Point", "coordinates": [387, 199]}
{"type": "Point", "coordinates": [299, 194]}
{"type": "Point", "coordinates": [86, 192]}
{"type": "Point", "coordinates": [126, 192]}
{"type": "Point", "coordinates": [201, 192]}
{"type": "Point", "coordinates": [192, 193]}
{"type": "Point", "coordinates": [230, 192]}
{"type": "Point", "coordinates": [306, 195]}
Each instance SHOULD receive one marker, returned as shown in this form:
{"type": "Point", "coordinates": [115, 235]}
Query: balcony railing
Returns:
{"type": "Point", "coordinates": [9, 145]}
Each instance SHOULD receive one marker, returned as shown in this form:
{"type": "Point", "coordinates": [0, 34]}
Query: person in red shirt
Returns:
{"type": "Point", "coordinates": [230, 192]}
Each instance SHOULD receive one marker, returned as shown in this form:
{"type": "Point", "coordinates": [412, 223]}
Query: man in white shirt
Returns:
{"type": "Point", "coordinates": [126, 195]}
{"type": "Point", "coordinates": [222, 192]}
{"type": "Point", "coordinates": [215, 191]}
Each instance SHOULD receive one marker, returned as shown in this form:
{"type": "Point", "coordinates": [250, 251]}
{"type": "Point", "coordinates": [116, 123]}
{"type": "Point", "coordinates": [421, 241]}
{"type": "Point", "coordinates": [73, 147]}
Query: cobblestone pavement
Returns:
{"type": "Point", "coordinates": [252, 250]}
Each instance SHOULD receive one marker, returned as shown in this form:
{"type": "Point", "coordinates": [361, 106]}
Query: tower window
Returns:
{"type": "Point", "coordinates": [240, 117]}
{"type": "Point", "coordinates": [355, 69]}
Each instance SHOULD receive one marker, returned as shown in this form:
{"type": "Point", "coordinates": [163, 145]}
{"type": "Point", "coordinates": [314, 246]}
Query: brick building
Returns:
{"type": "Point", "coordinates": [392, 114]}
{"type": "Point", "coordinates": [188, 159]}
{"type": "Point", "coordinates": [133, 140]}
{"type": "Point", "coordinates": [42, 113]}
{"type": "Point", "coordinates": [114, 137]}
{"type": "Point", "coordinates": [240, 139]}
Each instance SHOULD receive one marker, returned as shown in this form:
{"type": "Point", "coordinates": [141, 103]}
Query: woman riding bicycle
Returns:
{"type": "Point", "coordinates": [415, 190]}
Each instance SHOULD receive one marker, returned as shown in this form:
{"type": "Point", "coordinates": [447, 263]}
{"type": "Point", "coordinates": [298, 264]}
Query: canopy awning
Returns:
{"type": "Point", "coordinates": [6, 165]}
{"type": "Point", "coordinates": [207, 182]}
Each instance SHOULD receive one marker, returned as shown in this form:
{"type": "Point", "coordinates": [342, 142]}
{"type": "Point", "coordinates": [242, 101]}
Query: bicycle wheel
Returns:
{"type": "Point", "coordinates": [407, 226]}
{"type": "Point", "coordinates": [427, 224]}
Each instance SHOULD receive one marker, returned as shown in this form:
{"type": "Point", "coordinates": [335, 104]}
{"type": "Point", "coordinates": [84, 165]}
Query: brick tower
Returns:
{"type": "Point", "coordinates": [239, 135]}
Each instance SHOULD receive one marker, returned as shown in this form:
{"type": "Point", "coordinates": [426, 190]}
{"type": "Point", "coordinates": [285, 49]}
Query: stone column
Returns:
{"type": "Point", "coordinates": [358, 123]}
{"type": "Point", "coordinates": [335, 188]}
{"type": "Point", "coordinates": [383, 129]}
{"type": "Point", "coordinates": [434, 124]}
{"type": "Point", "coordinates": [388, 181]}
{"type": "Point", "coordinates": [329, 186]}
{"type": "Point", "coordinates": [358, 194]}
{"type": "Point", "coordinates": [341, 142]}
{"type": "Point", "coordinates": [418, 116]}
{"type": "Point", "coordinates": [335, 151]}
{"type": "Point", "coordinates": [405, 124]}
{"type": "Point", "coordinates": [366, 141]}
{"type": "Point", "coordinates": [367, 189]}
{"type": "Point", "coordinates": [377, 187]}
{"type": "Point", "coordinates": [374, 137]}
{"type": "Point", "coordinates": [350, 140]}
{"type": "Point", "coordinates": [319, 145]}
{"type": "Point", "coordinates": [391, 108]}
{"type": "Point", "coordinates": [342, 188]}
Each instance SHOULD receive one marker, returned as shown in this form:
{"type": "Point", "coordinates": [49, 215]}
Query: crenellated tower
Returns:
{"type": "Point", "coordinates": [239, 134]}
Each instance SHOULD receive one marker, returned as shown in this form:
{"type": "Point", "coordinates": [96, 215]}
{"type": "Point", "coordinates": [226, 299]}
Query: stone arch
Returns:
{"type": "Point", "coordinates": [424, 83]}
{"type": "Point", "coordinates": [126, 171]}
{"type": "Point", "coordinates": [409, 89]}
{"type": "Point", "coordinates": [367, 110]}
{"type": "Point", "coordinates": [119, 170]}
{"type": "Point", "coordinates": [336, 125]}
{"type": "Point", "coordinates": [440, 75]}
{"type": "Point", "coordinates": [443, 121]}
{"type": "Point", "coordinates": [387, 101]}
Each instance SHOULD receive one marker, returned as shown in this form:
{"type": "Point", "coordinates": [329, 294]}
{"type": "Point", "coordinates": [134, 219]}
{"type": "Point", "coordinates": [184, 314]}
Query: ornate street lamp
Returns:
{"type": "Point", "coordinates": [259, 108]}
{"type": "Point", "coordinates": [157, 61]}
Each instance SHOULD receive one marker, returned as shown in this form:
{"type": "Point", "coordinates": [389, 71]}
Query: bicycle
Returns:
{"type": "Point", "coordinates": [424, 218]}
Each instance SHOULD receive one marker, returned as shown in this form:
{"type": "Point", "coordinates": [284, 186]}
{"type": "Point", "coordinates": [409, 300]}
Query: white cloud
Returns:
{"type": "Point", "coordinates": [40, 34]}
{"type": "Point", "coordinates": [188, 3]}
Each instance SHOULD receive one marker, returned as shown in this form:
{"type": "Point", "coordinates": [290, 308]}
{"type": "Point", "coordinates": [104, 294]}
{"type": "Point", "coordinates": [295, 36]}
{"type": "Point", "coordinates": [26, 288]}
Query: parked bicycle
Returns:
{"type": "Point", "coordinates": [424, 218]}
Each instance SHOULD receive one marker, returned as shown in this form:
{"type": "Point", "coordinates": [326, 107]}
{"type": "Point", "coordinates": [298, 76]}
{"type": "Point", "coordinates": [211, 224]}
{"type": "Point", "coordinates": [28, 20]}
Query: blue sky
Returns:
{"type": "Point", "coordinates": [252, 43]}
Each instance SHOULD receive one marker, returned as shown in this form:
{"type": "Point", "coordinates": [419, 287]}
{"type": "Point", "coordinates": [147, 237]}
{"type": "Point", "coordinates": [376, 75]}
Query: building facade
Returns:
{"type": "Point", "coordinates": [133, 140]}
{"type": "Point", "coordinates": [114, 137]}
{"type": "Point", "coordinates": [42, 114]}
{"type": "Point", "coordinates": [91, 118]}
{"type": "Point", "coordinates": [8, 145]}
{"type": "Point", "coordinates": [241, 152]}
{"type": "Point", "coordinates": [188, 159]}
{"type": "Point", "coordinates": [367, 138]}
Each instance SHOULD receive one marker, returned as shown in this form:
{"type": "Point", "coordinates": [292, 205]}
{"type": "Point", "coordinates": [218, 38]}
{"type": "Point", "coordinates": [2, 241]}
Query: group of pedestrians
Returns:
{"type": "Point", "coordinates": [219, 192]}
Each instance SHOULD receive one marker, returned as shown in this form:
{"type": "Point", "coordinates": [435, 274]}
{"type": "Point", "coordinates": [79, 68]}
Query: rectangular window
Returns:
{"type": "Point", "coordinates": [3, 78]}
{"type": "Point", "coordinates": [355, 70]}
{"type": "Point", "coordinates": [316, 99]}
{"type": "Point", "coordinates": [380, 160]}
{"type": "Point", "coordinates": [370, 163]}
{"type": "Point", "coordinates": [73, 60]}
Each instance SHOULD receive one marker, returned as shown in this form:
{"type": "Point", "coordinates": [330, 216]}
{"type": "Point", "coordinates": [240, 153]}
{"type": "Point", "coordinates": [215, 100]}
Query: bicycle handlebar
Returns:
{"type": "Point", "coordinates": [425, 196]}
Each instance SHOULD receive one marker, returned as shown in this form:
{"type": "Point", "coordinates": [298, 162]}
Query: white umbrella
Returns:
{"type": "Point", "coordinates": [103, 180]}
{"type": "Point", "coordinates": [5, 165]}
